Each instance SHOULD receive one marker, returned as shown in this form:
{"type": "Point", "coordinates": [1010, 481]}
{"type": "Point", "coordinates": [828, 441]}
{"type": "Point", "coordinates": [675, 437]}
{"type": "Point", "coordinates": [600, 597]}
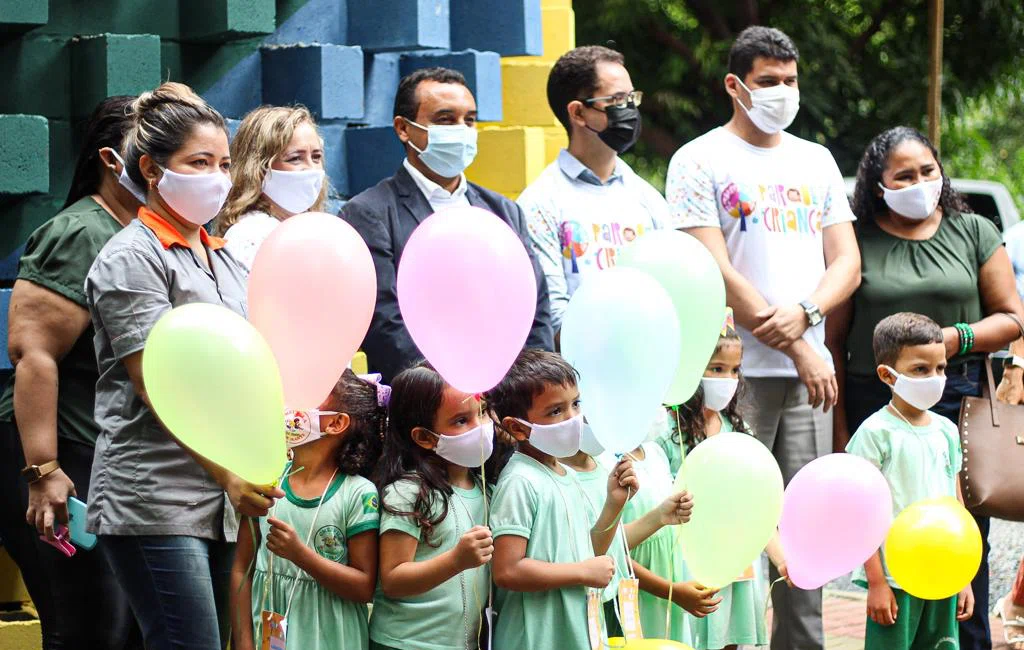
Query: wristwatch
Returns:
{"type": "Point", "coordinates": [813, 313]}
{"type": "Point", "coordinates": [1013, 360]}
{"type": "Point", "coordinates": [33, 473]}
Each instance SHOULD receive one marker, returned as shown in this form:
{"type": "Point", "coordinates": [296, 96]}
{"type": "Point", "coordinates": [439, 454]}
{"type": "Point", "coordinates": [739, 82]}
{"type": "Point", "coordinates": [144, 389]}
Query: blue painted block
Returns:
{"type": "Point", "coordinates": [239, 91]}
{"type": "Point", "coordinates": [233, 125]}
{"type": "Point", "coordinates": [383, 25]}
{"type": "Point", "coordinates": [383, 72]}
{"type": "Point", "coordinates": [328, 79]}
{"type": "Point", "coordinates": [334, 158]}
{"type": "Point", "coordinates": [373, 154]}
{"type": "Point", "coordinates": [481, 69]}
{"type": "Point", "coordinates": [5, 302]}
{"type": "Point", "coordinates": [316, 21]}
{"type": "Point", "coordinates": [508, 27]}
{"type": "Point", "coordinates": [9, 265]}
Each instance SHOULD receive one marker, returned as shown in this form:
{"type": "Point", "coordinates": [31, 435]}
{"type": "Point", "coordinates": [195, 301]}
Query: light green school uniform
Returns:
{"type": "Point", "coordinates": [448, 616]}
{"type": "Point", "coordinates": [595, 487]}
{"type": "Point", "coordinates": [534, 502]}
{"type": "Point", "coordinates": [318, 619]}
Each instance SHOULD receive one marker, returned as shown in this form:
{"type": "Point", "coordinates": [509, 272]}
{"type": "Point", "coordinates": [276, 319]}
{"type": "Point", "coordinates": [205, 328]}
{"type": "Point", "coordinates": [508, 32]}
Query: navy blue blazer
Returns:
{"type": "Point", "coordinates": [385, 216]}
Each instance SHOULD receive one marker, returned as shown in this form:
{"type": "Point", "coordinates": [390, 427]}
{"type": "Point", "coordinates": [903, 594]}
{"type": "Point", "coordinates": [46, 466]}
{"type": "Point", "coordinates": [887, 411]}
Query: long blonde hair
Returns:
{"type": "Point", "coordinates": [262, 136]}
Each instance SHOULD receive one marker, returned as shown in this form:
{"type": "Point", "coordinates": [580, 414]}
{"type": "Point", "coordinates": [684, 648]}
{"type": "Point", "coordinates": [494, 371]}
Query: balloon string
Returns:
{"type": "Point", "coordinates": [679, 529]}
{"type": "Point", "coordinates": [768, 600]}
{"type": "Point", "coordinates": [490, 578]}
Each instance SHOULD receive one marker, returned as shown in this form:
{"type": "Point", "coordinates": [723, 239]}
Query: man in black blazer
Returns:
{"type": "Point", "coordinates": [435, 118]}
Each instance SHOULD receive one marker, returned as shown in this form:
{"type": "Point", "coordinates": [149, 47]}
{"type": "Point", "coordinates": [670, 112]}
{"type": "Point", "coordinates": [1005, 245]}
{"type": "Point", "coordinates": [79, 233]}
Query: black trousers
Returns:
{"type": "Point", "coordinates": [80, 604]}
{"type": "Point", "coordinates": [864, 396]}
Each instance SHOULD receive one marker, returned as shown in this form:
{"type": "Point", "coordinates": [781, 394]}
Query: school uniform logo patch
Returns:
{"type": "Point", "coordinates": [329, 542]}
{"type": "Point", "coordinates": [371, 504]}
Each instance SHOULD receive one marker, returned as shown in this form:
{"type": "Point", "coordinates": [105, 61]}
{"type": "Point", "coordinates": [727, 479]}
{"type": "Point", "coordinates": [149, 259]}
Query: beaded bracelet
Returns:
{"type": "Point", "coordinates": [966, 338]}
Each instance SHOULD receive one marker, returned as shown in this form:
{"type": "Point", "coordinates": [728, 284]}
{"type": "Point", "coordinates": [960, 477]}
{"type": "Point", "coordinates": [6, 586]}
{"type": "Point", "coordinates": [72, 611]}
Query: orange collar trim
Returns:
{"type": "Point", "coordinates": [169, 235]}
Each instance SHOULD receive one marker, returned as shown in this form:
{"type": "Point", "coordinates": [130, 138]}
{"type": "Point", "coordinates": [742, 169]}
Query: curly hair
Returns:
{"type": "Point", "coordinates": [868, 204]}
{"type": "Point", "coordinates": [360, 448]}
{"type": "Point", "coordinates": [691, 414]}
{"type": "Point", "coordinates": [263, 136]}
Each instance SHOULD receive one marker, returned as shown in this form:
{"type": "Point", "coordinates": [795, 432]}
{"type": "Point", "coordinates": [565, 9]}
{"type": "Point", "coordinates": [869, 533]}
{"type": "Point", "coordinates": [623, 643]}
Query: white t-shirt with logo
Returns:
{"type": "Point", "coordinates": [772, 205]}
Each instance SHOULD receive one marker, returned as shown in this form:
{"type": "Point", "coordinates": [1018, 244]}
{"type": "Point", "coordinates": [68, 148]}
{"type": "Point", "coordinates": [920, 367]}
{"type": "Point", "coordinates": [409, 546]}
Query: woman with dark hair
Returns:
{"type": "Point", "coordinates": [922, 251]}
{"type": "Point", "coordinates": [46, 411]}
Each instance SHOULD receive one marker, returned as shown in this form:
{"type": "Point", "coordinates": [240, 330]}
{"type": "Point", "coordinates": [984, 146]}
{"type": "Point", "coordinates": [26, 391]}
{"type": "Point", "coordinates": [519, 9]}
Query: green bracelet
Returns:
{"type": "Point", "coordinates": [966, 338]}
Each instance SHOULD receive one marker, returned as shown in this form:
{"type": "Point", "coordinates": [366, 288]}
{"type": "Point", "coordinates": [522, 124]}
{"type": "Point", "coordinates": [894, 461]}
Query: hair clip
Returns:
{"type": "Point", "coordinates": [383, 390]}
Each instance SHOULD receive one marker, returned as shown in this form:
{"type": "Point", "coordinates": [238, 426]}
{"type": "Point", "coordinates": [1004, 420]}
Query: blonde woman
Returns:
{"type": "Point", "coordinates": [277, 171]}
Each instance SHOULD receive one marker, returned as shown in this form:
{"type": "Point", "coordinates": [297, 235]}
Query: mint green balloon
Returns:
{"type": "Point", "coordinates": [214, 383]}
{"type": "Point", "coordinates": [737, 504]}
{"type": "Point", "coordinates": [689, 274]}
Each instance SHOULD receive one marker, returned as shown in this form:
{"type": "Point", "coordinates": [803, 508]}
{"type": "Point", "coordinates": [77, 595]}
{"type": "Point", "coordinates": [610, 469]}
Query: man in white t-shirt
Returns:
{"type": "Point", "coordinates": [772, 209]}
{"type": "Point", "coordinates": [588, 204]}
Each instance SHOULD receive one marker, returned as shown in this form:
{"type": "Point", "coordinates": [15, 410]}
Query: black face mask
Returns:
{"type": "Point", "coordinates": [623, 128]}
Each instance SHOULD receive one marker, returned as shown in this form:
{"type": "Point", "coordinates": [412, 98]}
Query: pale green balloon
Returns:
{"type": "Point", "coordinates": [689, 274]}
{"type": "Point", "coordinates": [737, 504]}
{"type": "Point", "coordinates": [214, 383]}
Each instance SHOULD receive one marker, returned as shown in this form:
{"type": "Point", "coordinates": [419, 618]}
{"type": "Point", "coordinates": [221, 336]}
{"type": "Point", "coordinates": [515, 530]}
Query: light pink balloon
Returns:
{"type": "Point", "coordinates": [312, 290]}
{"type": "Point", "coordinates": [468, 295]}
{"type": "Point", "coordinates": [836, 513]}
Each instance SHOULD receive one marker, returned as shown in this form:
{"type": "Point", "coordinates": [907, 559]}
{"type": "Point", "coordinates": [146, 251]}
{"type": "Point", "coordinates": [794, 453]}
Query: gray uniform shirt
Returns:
{"type": "Point", "coordinates": [143, 482]}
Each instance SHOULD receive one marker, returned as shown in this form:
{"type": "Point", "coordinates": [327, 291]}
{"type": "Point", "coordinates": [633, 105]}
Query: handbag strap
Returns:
{"type": "Point", "coordinates": [1016, 319]}
{"type": "Point", "coordinates": [991, 392]}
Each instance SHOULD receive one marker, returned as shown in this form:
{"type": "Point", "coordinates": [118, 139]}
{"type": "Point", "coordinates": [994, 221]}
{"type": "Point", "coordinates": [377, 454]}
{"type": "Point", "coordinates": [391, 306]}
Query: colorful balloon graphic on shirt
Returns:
{"type": "Point", "coordinates": [785, 209]}
{"type": "Point", "coordinates": [690, 275]}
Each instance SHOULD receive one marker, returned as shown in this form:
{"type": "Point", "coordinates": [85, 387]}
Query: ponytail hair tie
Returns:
{"type": "Point", "coordinates": [383, 390]}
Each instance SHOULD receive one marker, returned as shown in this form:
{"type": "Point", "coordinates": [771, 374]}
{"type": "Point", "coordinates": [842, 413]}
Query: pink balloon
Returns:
{"type": "Point", "coordinates": [468, 295]}
{"type": "Point", "coordinates": [312, 290]}
{"type": "Point", "coordinates": [835, 515]}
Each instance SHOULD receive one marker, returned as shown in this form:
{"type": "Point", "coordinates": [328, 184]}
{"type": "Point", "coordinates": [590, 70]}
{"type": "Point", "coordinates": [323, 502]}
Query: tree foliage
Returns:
{"type": "Point", "coordinates": [863, 63]}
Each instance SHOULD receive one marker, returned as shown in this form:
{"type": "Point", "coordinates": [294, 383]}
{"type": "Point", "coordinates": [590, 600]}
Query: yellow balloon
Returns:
{"type": "Point", "coordinates": [616, 642]}
{"type": "Point", "coordinates": [214, 383]}
{"type": "Point", "coordinates": [934, 548]}
{"type": "Point", "coordinates": [655, 644]}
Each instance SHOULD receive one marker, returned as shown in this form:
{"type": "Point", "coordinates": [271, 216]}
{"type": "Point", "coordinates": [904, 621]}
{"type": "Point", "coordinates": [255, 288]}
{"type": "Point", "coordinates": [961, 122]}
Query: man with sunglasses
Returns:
{"type": "Point", "coordinates": [588, 204]}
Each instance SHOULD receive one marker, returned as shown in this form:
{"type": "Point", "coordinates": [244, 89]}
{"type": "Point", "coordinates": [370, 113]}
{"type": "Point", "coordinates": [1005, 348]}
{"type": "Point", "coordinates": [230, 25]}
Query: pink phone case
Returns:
{"type": "Point", "coordinates": [61, 542]}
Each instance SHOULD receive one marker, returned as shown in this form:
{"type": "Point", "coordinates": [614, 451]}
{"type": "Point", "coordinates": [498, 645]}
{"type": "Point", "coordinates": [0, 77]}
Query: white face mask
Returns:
{"type": "Point", "coordinates": [560, 440]}
{"type": "Point", "coordinates": [450, 148]}
{"type": "Point", "coordinates": [588, 442]}
{"type": "Point", "coordinates": [469, 449]}
{"type": "Point", "coordinates": [718, 391]}
{"type": "Point", "coordinates": [916, 202]}
{"type": "Point", "coordinates": [301, 427]}
{"type": "Point", "coordinates": [196, 198]}
{"type": "Point", "coordinates": [772, 109]}
{"type": "Point", "coordinates": [127, 183]}
{"type": "Point", "coordinates": [293, 191]}
{"type": "Point", "coordinates": [921, 393]}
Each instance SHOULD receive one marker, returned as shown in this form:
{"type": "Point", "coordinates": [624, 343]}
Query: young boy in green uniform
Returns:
{"type": "Point", "coordinates": [919, 454]}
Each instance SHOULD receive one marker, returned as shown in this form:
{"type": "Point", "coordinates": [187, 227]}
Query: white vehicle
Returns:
{"type": "Point", "coordinates": [987, 198]}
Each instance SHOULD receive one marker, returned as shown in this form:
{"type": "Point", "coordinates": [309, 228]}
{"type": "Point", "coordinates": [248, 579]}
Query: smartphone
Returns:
{"type": "Point", "coordinates": [76, 524]}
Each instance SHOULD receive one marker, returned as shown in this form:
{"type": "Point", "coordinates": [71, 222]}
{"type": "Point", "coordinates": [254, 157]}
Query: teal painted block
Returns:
{"type": "Point", "coordinates": [216, 21]}
{"type": "Point", "coordinates": [22, 15]}
{"type": "Point", "coordinates": [112, 64]}
{"type": "Point", "coordinates": [36, 73]}
{"type": "Point", "coordinates": [390, 25]}
{"type": "Point", "coordinates": [159, 17]}
{"type": "Point", "coordinates": [24, 159]}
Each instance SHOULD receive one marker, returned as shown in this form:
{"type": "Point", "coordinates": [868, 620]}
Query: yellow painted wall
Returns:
{"type": "Point", "coordinates": [513, 152]}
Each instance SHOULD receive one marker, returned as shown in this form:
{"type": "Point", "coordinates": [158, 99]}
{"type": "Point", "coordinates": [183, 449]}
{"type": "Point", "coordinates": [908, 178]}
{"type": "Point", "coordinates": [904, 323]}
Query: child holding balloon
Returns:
{"type": "Point", "coordinates": [641, 525]}
{"type": "Point", "coordinates": [435, 544]}
{"type": "Point", "coordinates": [549, 544]}
{"type": "Point", "coordinates": [919, 454]}
{"type": "Point", "coordinates": [740, 615]}
{"type": "Point", "coordinates": [317, 569]}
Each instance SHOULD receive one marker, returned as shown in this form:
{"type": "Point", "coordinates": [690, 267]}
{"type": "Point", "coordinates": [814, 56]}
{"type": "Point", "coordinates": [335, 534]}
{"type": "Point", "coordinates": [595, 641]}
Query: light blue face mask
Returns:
{"type": "Point", "coordinates": [450, 148]}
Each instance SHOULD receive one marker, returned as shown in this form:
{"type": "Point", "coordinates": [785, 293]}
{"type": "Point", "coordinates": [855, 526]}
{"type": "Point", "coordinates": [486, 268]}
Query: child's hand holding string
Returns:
{"type": "Point", "coordinates": [696, 599]}
{"type": "Point", "coordinates": [284, 542]}
{"type": "Point", "coordinates": [622, 483]}
{"type": "Point", "coordinates": [676, 509]}
{"type": "Point", "coordinates": [475, 548]}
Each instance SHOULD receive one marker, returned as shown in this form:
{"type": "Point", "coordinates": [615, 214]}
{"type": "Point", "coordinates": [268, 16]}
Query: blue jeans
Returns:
{"type": "Point", "coordinates": [178, 587]}
{"type": "Point", "coordinates": [864, 396]}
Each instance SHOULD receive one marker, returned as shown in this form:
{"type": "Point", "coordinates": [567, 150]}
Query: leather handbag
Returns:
{"type": "Point", "coordinates": [992, 438]}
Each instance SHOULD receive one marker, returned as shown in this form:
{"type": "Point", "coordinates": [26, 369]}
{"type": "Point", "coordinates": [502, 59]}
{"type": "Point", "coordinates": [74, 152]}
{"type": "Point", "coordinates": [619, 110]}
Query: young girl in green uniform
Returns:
{"type": "Point", "coordinates": [316, 553]}
{"type": "Point", "coordinates": [739, 616]}
{"type": "Point", "coordinates": [434, 545]}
